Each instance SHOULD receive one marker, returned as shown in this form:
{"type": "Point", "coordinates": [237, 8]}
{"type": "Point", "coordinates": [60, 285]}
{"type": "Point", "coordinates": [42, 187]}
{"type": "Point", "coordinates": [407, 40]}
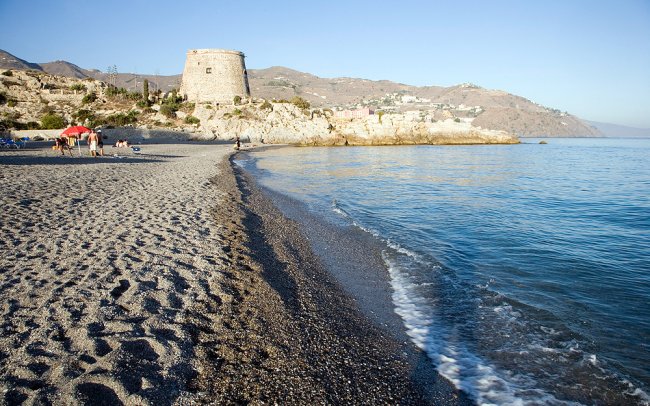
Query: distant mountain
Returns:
{"type": "Point", "coordinates": [493, 109]}
{"type": "Point", "coordinates": [9, 61]}
{"type": "Point", "coordinates": [485, 108]}
{"type": "Point", "coordinates": [615, 130]}
{"type": "Point", "coordinates": [63, 68]}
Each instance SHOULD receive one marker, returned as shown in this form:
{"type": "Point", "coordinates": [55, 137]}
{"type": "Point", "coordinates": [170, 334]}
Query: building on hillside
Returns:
{"type": "Point", "coordinates": [358, 113]}
{"type": "Point", "coordinates": [214, 75]}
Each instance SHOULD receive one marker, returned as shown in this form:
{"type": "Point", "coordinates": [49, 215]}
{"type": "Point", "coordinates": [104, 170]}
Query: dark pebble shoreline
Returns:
{"type": "Point", "coordinates": [288, 333]}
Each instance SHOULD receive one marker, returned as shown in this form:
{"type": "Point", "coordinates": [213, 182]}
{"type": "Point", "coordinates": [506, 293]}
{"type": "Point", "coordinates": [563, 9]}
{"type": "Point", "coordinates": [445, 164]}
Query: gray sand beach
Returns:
{"type": "Point", "coordinates": [168, 277]}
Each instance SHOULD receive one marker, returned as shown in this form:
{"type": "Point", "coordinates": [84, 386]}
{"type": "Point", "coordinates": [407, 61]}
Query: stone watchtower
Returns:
{"type": "Point", "coordinates": [214, 75]}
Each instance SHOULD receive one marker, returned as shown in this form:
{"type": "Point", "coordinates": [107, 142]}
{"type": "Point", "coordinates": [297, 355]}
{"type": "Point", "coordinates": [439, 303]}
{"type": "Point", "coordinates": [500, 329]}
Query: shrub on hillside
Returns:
{"type": "Point", "coordinates": [236, 100]}
{"type": "Point", "coordinates": [78, 87]}
{"type": "Point", "coordinates": [82, 115]}
{"type": "Point", "coordinates": [52, 121]}
{"type": "Point", "coordinates": [266, 106]}
{"type": "Point", "coordinates": [121, 119]}
{"type": "Point", "coordinates": [7, 73]}
{"type": "Point", "coordinates": [168, 110]}
{"type": "Point", "coordinates": [3, 98]}
{"type": "Point", "coordinates": [89, 98]}
{"type": "Point", "coordinates": [187, 107]}
{"type": "Point", "coordinates": [300, 102]}
{"type": "Point", "coordinates": [192, 120]}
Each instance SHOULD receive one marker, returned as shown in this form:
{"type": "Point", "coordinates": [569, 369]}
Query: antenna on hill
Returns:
{"type": "Point", "coordinates": [134, 79]}
{"type": "Point", "coordinates": [157, 72]}
{"type": "Point", "coordinates": [112, 74]}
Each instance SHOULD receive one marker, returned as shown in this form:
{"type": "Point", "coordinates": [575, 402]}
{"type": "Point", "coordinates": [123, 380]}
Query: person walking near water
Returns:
{"type": "Point", "coordinates": [92, 143]}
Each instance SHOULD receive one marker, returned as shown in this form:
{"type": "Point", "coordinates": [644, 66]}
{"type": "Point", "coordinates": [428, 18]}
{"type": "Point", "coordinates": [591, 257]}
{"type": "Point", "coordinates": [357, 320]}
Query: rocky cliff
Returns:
{"type": "Point", "coordinates": [287, 123]}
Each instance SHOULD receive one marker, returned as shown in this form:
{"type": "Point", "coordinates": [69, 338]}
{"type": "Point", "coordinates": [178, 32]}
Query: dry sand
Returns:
{"type": "Point", "coordinates": [163, 278]}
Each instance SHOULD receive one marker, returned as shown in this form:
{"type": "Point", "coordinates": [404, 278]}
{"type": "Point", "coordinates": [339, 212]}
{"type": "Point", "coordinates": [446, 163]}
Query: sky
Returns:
{"type": "Point", "coordinates": [590, 58]}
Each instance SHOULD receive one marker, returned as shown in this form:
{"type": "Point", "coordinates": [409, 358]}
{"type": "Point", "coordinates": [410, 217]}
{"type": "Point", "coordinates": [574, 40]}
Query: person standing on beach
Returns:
{"type": "Point", "coordinates": [100, 142]}
{"type": "Point", "coordinates": [92, 143]}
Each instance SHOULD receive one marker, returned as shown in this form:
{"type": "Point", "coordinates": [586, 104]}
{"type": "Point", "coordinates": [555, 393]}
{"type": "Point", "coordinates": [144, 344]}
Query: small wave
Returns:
{"type": "Point", "coordinates": [395, 246]}
{"type": "Point", "coordinates": [554, 353]}
{"type": "Point", "coordinates": [467, 371]}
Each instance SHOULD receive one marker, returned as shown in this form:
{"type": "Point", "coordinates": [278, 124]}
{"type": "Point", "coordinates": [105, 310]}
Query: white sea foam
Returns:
{"type": "Point", "coordinates": [476, 376]}
{"type": "Point", "coordinates": [467, 371]}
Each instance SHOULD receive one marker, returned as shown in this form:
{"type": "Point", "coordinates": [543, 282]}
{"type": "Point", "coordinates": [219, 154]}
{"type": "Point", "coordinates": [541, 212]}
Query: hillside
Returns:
{"type": "Point", "coordinates": [37, 101]}
{"type": "Point", "coordinates": [483, 108]}
{"type": "Point", "coordinates": [614, 130]}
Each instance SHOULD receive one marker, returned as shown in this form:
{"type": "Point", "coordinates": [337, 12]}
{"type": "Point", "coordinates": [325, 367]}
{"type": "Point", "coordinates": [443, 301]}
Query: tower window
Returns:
{"type": "Point", "coordinates": [208, 70]}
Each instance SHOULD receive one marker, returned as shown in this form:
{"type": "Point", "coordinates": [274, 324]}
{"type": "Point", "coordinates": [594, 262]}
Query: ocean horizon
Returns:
{"type": "Point", "coordinates": [520, 270]}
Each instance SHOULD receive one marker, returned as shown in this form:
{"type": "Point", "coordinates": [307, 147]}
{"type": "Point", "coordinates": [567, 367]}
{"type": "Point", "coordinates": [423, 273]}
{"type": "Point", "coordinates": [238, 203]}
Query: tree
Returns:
{"type": "Point", "coordinates": [52, 121]}
{"type": "Point", "coordinates": [145, 90]}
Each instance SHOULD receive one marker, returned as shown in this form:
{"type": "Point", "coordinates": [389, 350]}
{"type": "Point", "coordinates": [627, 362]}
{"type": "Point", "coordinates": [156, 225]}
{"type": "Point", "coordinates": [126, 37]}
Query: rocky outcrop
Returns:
{"type": "Point", "coordinates": [288, 124]}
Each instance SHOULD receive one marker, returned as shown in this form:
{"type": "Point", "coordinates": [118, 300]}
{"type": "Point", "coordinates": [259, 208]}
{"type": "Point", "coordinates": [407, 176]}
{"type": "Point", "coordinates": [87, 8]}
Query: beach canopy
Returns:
{"type": "Point", "coordinates": [75, 131]}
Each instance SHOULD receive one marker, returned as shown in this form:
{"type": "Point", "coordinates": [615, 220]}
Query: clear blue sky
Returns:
{"type": "Point", "coordinates": [590, 58]}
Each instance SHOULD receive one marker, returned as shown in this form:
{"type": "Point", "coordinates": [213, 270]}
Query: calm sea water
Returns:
{"type": "Point", "coordinates": [522, 271]}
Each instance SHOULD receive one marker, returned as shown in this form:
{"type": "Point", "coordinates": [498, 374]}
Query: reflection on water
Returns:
{"type": "Point", "coordinates": [523, 267]}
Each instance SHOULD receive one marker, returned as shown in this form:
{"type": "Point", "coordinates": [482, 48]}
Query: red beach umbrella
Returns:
{"type": "Point", "coordinates": [76, 132]}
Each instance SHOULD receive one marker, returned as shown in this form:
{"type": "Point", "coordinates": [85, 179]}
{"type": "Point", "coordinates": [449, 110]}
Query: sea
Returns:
{"type": "Point", "coordinates": [522, 271]}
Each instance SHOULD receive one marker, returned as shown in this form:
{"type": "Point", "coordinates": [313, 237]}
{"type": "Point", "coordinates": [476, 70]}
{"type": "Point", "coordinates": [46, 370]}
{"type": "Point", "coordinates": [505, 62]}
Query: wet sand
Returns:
{"type": "Point", "coordinates": [167, 278]}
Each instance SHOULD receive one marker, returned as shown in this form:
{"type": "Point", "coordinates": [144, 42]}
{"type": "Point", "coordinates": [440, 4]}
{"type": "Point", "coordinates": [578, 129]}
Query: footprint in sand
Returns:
{"type": "Point", "coordinates": [118, 291]}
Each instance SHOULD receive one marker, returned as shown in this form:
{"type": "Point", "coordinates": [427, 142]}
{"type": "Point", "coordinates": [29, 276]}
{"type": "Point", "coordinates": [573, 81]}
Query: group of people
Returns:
{"type": "Point", "coordinates": [95, 144]}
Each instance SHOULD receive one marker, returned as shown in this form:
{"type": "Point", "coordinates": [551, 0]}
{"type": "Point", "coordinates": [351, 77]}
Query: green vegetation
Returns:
{"type": "Point", "coordinates": [121, 119]}
{"type": "Point", "coordinates": [457, 120]}
{"type": "Point", "coordinates": [266, 106]}
{"type": "Point", "coordinates": [89, 98]}
{"type": "Point", "coordinates": [169, 110]}
{"type": "Point", "coordinates": [7, 73]}
{"type": "Point", "coordinates": [122, 93]}
{"type": "Point", "coordinates": [82, 115]}
{"type": "Point", "coordinates": [52, 121]}
{"type": "Point", "coordinates": [281, 83]}
{"type": "Point", "coordinates": [192, 120]}
{"type": "Point", "coordinates": [380, 115]}
{"type": "Point", "coordinates": [174, 97]}
{"type": "Point", "coordinates": [78, 87]}
{"type": "Point", "coordinates": [145, 90]}
{"type": "Point", "coordinates": [187, 107]}
{"type": "Point", "coordinates": [237, 112]}
{"type": "Point", "coordinates": [300, 102]}
{"type": "Point", "coordinates": [13, 123]}
{"type": "Point", "coordinates": [236, 100]}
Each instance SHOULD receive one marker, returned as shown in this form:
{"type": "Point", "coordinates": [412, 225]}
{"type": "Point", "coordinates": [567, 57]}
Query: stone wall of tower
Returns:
{"type": "Point", "coordinates": [214, 75]}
